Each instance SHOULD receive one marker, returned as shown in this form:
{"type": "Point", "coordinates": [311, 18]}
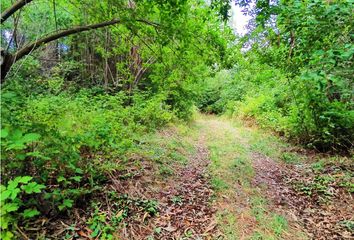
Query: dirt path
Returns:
{"type": "Point", "coordinates": [184, 195]}
{"type": "Point", "coordinates": [215, 179]}
{"type": "Point", "coordinates": [261, 197]}
{"type": "Point", "coordinates": [217, 194]}
{"type": "Point", "coordinates": [186, 210]}
{"type": "Point", "coordinates": [244, 211]}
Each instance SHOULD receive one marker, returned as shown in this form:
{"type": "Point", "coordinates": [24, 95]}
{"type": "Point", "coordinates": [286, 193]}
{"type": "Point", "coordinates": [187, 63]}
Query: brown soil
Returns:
{"type": "Point", "coordinates": [320, 220]}
{"type": "Point", "coordinates": [184, 202]}
{"type": "Point", "coordinates": [185, 208]}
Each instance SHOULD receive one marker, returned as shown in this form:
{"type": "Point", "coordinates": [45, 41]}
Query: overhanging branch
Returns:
{"type": "Point", "coordinates": [28, 48]}
{"type": "Point", "coordinates": [11, 10]}
{"type": "Point", "coordinates": [63, 33]}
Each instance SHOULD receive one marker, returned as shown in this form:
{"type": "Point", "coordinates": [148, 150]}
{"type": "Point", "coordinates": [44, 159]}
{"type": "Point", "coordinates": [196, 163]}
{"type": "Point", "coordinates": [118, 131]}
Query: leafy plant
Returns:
{"type": "Point", "coordinates": [319, 187]}
{"type": "Point", "coordinates": [99, 226]}
{"type": "Point", "coordinates": [13, 206]}
{"type": "Point", "coordinates": [178, 200]}
{"type": "Point", "coordinates": [289, 157]}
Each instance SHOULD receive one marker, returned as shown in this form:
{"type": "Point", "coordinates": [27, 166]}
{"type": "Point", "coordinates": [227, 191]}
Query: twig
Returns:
{"type": "Point", "coordinates": [22, 233]}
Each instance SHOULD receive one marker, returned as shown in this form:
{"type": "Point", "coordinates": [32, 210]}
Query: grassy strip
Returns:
{"type": "Point", "coordinates": [243, 211]}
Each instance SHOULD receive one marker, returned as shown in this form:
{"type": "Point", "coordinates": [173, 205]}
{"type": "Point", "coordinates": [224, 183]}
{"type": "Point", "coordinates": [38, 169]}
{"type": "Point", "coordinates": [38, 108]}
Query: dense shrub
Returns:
{"type": "Point", "coordinates": [70, 141]}
{"type": "Point", "coordinates": [296, 75]}
{"type": "Point", "coordinates": [304, 108]}
{"type": "Point", "coordinates": [68, 124]}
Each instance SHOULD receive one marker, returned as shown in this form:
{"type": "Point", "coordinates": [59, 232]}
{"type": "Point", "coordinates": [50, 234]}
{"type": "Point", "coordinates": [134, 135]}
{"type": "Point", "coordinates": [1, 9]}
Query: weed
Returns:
{"type": "Point", "coordinates": [124, 202]}
{"type": "Point", "coordinates": [318, 166]}
{"type": "Point", "coordinates": [239, 163]}
{"type": "Point", "coordinates": [158, 230]}
{"type": "Point", "coordinates": [178, 200]}
{"type": "Point", "coordinates": [347, 183]}
{"type": "Point", "coordinates": [289, 157]}
{"type": "Point", "coordinates": [165, 170]}
{"type": "Point", "coordinates": [219, 184]}
{"type": "Point", "coordinates": [258, 207]}
{"type": "Point", "coordinates": [319, 186]}
{"type": "Point", "coordinates": [178, 157]}
{"type": "Point", "coordinates": [243, 170]}
{"type": "Point", "coordinates": [15, 203]}
{"type": "Point", "coordinates": [149, 206]}
{"type": "Point", "coordinates": [98, 223]}
{"type": "Point", "coordinates": [188, 234]}
{"type": "Point", "coordinates": [348, 224]}
{"type": "Point", "coordinates": [279, 224]}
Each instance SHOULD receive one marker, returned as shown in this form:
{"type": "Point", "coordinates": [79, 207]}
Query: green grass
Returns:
{"type": "Point", "coordinates": [168, 148]}
{"type": "Point", "coordinates": [289, 157]}
{"type": "Point", "coordinates": [244, 211]}
{"type": "Point", "coordinates": [219, 184]}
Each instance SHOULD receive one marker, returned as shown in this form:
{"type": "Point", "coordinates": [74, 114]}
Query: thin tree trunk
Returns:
{"type": "Point", "coordinates": [106, 62]}
{"type": "Point", "coordinates": [292, 44]}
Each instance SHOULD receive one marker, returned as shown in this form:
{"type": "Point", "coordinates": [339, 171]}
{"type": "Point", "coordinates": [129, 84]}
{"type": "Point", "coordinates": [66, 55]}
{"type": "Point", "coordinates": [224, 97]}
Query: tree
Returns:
{"type": "Point", "coordinates": [8, 59]}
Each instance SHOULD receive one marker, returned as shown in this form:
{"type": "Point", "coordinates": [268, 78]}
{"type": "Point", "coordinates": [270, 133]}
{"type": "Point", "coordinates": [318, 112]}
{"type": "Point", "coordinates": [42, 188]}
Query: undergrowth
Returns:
{"type": "Point", "coordinates": [68, 144]}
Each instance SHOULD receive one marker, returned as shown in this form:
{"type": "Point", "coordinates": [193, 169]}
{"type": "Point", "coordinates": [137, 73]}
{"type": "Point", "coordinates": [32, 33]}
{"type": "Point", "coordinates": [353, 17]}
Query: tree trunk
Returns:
{"type": "Point", "coordinates": [6, 63]}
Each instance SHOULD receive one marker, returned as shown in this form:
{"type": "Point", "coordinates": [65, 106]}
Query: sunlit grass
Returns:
{"type": "Point", "coordinates": [243, 211]}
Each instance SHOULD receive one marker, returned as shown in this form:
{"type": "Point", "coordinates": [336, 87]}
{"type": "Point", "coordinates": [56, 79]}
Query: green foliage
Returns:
{"type": "Point", "coordinates": [289, 157]}
{"type": "Point", "coordinates": [15, 203]}
{"type": "Point", "coordinates": [76, 137]}
{"type": "Point", "coordinates": [219, 184]}
{"type": "Point", "coordinates": [177, 200]}
{"type": "Point", "coordinates": [80, 125]}
{"type": "Point", "coordinates": [15, 140]}
{"type": "Point", "coordinates": [214, 92]}
{"type": "Point", "coordinates": [329, 175]}
{"type": "Point", "coordinates": [73, 109]}
{"type": "Point", "coordinates": [348, 224]}
{"type": "Point", "coordinates": [296, 76]}
{"type": "Point", "coordinates": [97, 223]}
{"type": "Point", "coordinates": [103, 226]}
{"type": "Point", "coordinates": [319, 188]}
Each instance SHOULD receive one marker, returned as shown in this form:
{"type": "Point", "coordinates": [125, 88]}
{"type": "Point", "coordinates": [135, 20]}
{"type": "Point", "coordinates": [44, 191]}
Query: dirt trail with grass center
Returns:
{"type": "Point", "coordinates": [267, 189]}
{"type": "Point", "coordinates": [219, 179]}
{"type": "Point", "coordinates": [243, 210]}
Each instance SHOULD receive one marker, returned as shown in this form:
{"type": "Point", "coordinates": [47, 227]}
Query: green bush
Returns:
{"type": "Point", "coordinates": [15, 203]}
{"type": "Point", "coordinates": [297, 79]}
{"type": "Point", "coordinates": [71, 141]}
{"type": "Point", "coordinates": [304, 108]}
